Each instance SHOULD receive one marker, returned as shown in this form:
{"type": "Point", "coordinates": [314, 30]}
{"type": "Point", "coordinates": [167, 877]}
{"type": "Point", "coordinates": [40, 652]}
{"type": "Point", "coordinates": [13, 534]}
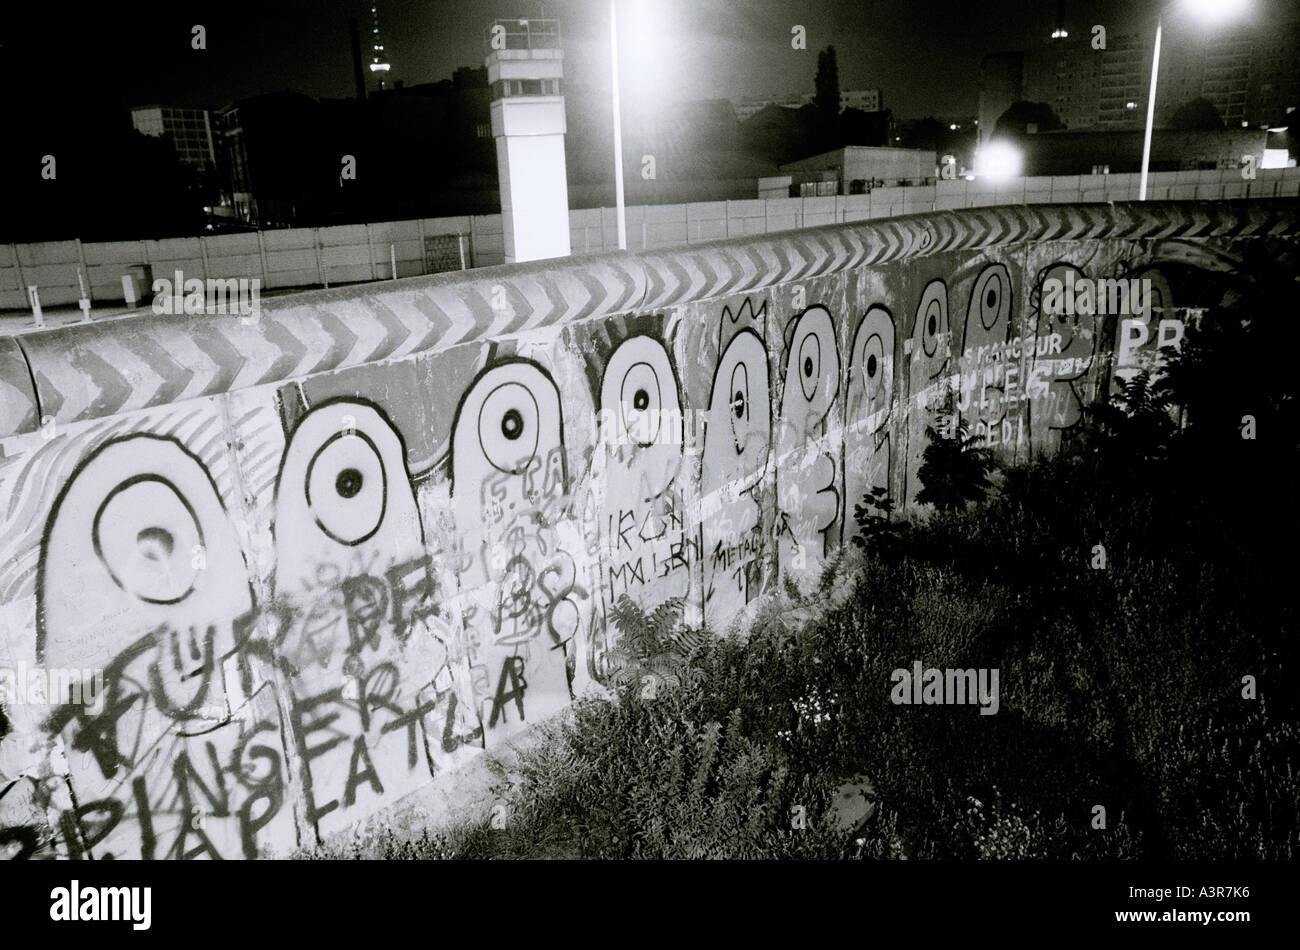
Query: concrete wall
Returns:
{"type": "Point", "coordinates": [304, 257]}
{"type": "Point", "coordinates": [323, 559]}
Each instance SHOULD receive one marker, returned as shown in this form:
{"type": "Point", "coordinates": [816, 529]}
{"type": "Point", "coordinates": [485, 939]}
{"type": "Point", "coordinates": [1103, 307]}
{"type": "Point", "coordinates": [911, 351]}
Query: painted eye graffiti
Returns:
{"type": "Point", "coordinates": [810, 364]}
{"type": "Point", "coordinates": [869, 372]}
{"type": "Point", "coordinates": [873, 371]}
{"type": "Point", "coordinates": [640, 401]}
{"type": "Point", "coordinates": [508, 428]}
{"type": "Point", "coordinates": [512, 424]}
{"type": "Point", "coordinates": [932, 316]}
{"type": "Point", "coordinates": [740, 405]}
{"type": "Point", "coordinates": [991, 296]}
{"type": "Point", "coordinates": [144, 533]}
{"type": "Point", "coordinates": [347, 488]}
{"type": "Point", "coordinates": [349, 482]}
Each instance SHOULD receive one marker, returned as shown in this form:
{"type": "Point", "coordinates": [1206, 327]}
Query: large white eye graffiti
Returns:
{"type": "Point", "coordinates": [509, 427]}
{"type": "Point", "coordinates": [932, 317]}
{"type": "Point", "coordinates": [639, 390]}
{"type": "Point", "coordinates": [871, 372]}
{"type": "Point", "coordinates": [347, 488]}
{"type": "Point", "coordinates": [137, 538]}
{"type": "Point", "coordinates": [814, 359]}
{"type": "Point", "coordinates": [990, 297]}
{"type": "Point", "coordinates": [144, 533]}
{"type": "Point", "coordinates": [343, 481]}
{"type": "Point", "coordinates": [640, 402]}
{"type": "Point", "coordinates": [739, 404]}
{"type": "Point", "coordinates": [508, 422]}
{"type": "Point", "coordinates": [738, 433]}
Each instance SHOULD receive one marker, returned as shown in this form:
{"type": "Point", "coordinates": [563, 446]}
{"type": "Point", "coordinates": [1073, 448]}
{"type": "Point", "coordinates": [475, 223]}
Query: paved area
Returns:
{"type": "Point", "coordinates": [17, 321]}
{"type": "Point", "coordinates": [20, 321]}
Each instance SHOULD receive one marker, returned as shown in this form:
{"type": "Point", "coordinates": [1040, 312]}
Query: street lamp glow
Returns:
{"type": "Point", "coordinates": [1215, 11]}
{"type": "Point", "coordinates": [999, 161]}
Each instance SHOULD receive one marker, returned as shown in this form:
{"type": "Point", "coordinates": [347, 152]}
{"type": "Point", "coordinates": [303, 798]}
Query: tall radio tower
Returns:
{"type": "Point", "coordinates": [379, 61]}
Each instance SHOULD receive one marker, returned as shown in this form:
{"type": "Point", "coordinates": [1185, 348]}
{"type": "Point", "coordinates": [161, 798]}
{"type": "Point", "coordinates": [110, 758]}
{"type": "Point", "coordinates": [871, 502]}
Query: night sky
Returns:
{"type": "Point", "coordinates": [924, 56]}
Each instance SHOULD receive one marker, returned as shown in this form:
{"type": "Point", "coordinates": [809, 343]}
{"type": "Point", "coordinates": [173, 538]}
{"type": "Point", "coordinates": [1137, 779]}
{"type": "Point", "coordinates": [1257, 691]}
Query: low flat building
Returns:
{"type": "Point", "coordinates": [856, 169]}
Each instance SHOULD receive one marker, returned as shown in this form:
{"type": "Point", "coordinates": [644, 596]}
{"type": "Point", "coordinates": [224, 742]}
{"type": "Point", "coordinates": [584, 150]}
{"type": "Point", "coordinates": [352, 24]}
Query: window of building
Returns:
{"type": "Point", "coordinates": [511, 88]}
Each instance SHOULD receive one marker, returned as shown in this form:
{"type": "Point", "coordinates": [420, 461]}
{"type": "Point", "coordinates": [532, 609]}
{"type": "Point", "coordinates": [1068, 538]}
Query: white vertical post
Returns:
{"type": "Point", "coordinates": [620, 210]}
{"type": "Point", "coordinates": [34, 296]}
{"type": "Point", "coordinates": [84, 300]}
{"type": "Point", "coordinates": [392, 257]}
{"type": "Point", "coordinates": [320, 263]}
{"type": "Point", "coordinates": [1151, 114]}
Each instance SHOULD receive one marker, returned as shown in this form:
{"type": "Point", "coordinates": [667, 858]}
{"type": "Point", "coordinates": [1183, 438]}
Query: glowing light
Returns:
{"type": "Point", "coordinates": [1216, 11]}
{"type": "Point", "coordinates": [650, 53]}
{"type": "Point", "coordinates": [1060, 33]}
{"type": "Point", "coordinates": [999, 161]}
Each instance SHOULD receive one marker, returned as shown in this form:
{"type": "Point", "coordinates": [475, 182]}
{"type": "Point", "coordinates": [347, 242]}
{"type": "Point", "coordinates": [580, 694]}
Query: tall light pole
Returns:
{"type": "Point", "coordinates": [620, 212]}
{"type": "Point", "coordinates": [1151, 112]}
{"type": "Point", "coordinates": [1208, 10]}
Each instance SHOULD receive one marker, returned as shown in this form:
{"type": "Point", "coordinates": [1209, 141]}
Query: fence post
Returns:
{"type": "Point", "coordinates": [370, 252]}
{"type": "Point", "coordinates": [320, 261]}
{"type": "Point", "coordinates": [87, 291]}
{"type": "Point", "coordinates": [18, 262]}
{"type": "Point", "coordinates": [261, 251]}
{"type": "Point", "coordinates": [424, 254]}
{"type": "Point", "coordinates": [203, 253]}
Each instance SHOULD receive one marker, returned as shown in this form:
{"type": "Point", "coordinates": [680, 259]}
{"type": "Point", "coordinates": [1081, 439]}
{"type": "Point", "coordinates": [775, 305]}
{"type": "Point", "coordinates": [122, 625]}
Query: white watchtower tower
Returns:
{"type": "Point", "coordinates": [525, 65]}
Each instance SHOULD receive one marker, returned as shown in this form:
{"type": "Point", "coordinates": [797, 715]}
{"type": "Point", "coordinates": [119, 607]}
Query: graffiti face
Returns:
{"type": "Point", "coordinates": [507, 441]}
{"type": "Point", "coordinates": [929, 361]}
{"type": "Point", "coordinates": [1062, 355]}
{"type": "Point", "coordinates": [738, 431]}
{"type": "Point", "coordinates": [342, 493]}
{"type": "Point", "coordinates": [807, 469]}
{"type": "Point", "coordinates": [139, 540]}
{"type": "Point", "coordinates": [737, 441]}
{"type": "Point", "coordinates": [638, 384]}
{"type": "Point", "coordinates": [812, 371]}
{"type": "Point", "coordinates": [142, 576]}
{"type": "Point", "coordinates": [984, 359]}
{"type": "Point", "coordinates": [870, 394]}
{"type": "Point", "coordinates": [525, 599]}
{"type": "Point", "coordinates": [360, 652]}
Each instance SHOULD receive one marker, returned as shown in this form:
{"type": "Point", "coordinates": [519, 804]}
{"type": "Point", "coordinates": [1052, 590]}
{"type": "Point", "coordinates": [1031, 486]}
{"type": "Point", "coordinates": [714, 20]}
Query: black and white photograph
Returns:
{"type": "Point", "coordinates": [853, 441]}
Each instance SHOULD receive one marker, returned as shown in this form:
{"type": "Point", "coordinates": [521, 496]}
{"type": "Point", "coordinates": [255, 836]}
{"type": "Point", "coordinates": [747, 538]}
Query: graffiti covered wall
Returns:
{"type": "Point", "coordinates": [301, 565]}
